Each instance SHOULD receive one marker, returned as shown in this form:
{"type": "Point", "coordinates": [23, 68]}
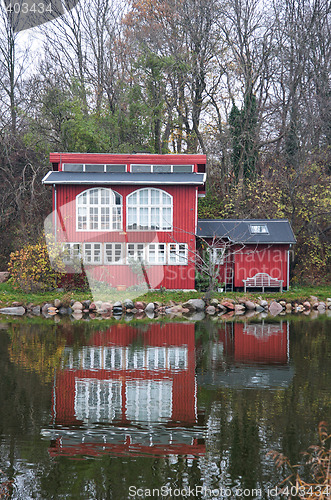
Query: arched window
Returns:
{"type": "Point", "coordinates": [149, 209]}
{"type": "Point", "coordinates": [99, 209]}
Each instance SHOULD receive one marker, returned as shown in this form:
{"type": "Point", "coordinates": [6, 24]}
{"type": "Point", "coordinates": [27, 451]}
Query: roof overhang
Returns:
{"type": "Point", "coordinates": [127, 178]}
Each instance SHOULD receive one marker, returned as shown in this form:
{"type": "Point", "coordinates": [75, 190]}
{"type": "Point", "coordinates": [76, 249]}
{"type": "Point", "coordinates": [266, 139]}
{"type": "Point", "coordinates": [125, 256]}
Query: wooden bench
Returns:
{"type": "Point", "coordinates": [263, 280]}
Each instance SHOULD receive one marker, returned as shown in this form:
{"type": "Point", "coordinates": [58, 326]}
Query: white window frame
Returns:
{"type": "Point", "coordinates": [74, 250]}
{"type": "Point", "coordinates": [149, 207]}
{"type": "Point", "coordinates": [217, 255]}
{"type": "Point", "coordinates": [263, 228]}
{"type": "Point", "coordinates": [103, 165]}
{"type": "Point", "coordinates": [152, 167]}
{"type": "Point", "coordinates": [178, 247]}
{"type": "Point", "coordinates": [115, 211]}
{"type": "Point", "coordinates": [96, 248]}
{"type": "Point", "coordinates": [114, 246]}
{"type": "Point", "coordinates": [137, 248]}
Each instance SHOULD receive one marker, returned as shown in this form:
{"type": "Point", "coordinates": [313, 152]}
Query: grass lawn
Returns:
{"type": "Point", "coordinates": [8, 295]}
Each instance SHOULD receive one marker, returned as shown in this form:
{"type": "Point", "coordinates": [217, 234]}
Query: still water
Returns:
{"type": "Point", "coordinates": [189, 410]}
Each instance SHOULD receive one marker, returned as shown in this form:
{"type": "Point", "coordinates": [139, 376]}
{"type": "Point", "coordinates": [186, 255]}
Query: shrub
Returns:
{"type": "Point", "coordinates": [31, 268]}
{"type": "Point", "coordinates": [318, 458]}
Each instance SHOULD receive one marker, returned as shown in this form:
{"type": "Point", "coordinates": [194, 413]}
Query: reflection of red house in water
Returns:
{"type": "Point", "coordinates": [126, 378]}
{"type": "Point", "coordinates": [250, 355]}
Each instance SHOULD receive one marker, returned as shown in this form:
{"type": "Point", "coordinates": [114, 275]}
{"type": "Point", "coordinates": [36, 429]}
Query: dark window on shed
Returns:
{"type": "Point", "coordinates": [94, 168]}
{"type": "Point", "coordinates": [162, 169]}
{"type": "Point", "coordinates": [182, 169]}
{"type": "Point", "coordinates": [72, 167]}
{"type": "Point", "coordinates": [141, 168]}
{"type": "Point", "coordinates": [115, 168]}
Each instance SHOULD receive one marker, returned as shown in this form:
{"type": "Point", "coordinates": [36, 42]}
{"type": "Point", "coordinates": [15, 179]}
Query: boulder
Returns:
{"type": "Point", "coordinates": [249, 305]}
{"type": "Point", "coordinates": [57, 303]}
{"type": "Point", "coordinates": [15, 311]}
{"type": "Point", "coordinates": [288, 307]}
{"type": "Point", "coordinates": [197, 304]}
{"type": "Point", "coordinates": [259, 308]}
{"type": "Point", "coordinates": [52, 310]}
{"type": "Point", "coordinates": [16, 304]}
{"type": "Point", "coordinates": [321, 306]}
{"type": "Point", "coordinates": [275, 308]}
{"type": "Point", "coordinates": [211, 310]}
{"type": "Point", "coordinates": [150, 307]}
{"type": "Point", "coordinates": [36, 310]}
{"type": "Point", "coordinates": [263, 303]}
{"type": "Point", "coordinates": [140, 305]}
{"type": "Point", "coordinates": [214, 302]}
{"type": "Point", "coordinates": [117, 304]}
{"type": "Point", "coordinates": [4, 276]}
{"type": "Point", "coordinates": [93, 306]}
{"type": "Point", "coordinates": [63, 310]}
{"type": "Point", "coordinates": [77, 314]}
{"type": "Point", "coordinates": [313, 299]}
{"type": "Point", "coordinates": [106, 307]}
{"type": "Point", "coordinates": [306, 304]}
{"type": "Point", "coordinates": [86, 304]}
{"type": "Point", "coordinates": [77, 306]}
{"type": "Point", "coordinates": [239, 309]}
{"type": "Point", "coordinates": [149, 314]}
{"type": "Point", "coordinates": [128, 304]}
{"type": "Point", "coordinates": [229, 305]}
{"type": "Point", "coordinates": [45, 307]}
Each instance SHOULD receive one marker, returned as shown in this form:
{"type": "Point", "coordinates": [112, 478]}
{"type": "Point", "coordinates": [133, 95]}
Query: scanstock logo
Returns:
{"type": "Point", "coordinates": [25, 14]}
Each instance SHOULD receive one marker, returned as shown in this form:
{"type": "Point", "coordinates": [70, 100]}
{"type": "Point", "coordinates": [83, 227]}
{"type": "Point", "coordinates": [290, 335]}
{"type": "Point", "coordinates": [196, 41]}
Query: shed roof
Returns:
{"type": "Point", "coordinates": [240, 230]}
{"type": "Point", "coordinates": [103, 178]}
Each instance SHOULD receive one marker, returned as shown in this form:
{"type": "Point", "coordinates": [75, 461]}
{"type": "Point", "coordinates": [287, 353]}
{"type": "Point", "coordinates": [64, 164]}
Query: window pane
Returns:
{"type": "Point", "coordinates": [82, 199]}
{"type": "Point", "coordinates": [166, 218]}
{"type": "Point", "coordinates": [143, 197]}
{"type": "Point", "coordinates": [141, 168]}
{"type": "Point", "coordinates": [151, 254]}
{"type": "Point", "coordinates": [115, 168]}
{"type": "Point", "coordinates": [132, 199]}
{"type": "Point", "coordinates": [143, 218]}
{"type": "Point", "coordinates": [155, 197]}
{"type": "Point", "coordinates": [179, 169]}
{"type": "Point", "coordinates": [105, 218]}
{"type": "Point", "coordinates": [104, 197]}
{"type": "Point", "coordinates": [94, 168]}
{"type": "Point", "coordinates": [166, 199]}
{"type": "Point", "coordinates": [161, 253]}
{"type": "Point", "coordinates": [172, 253]}
{"type": "Point", "coordinates": [94, 196]}
{"type": "Point", "coordinates": [162, 169]}
{"type": "Point", "coordinates": [82, 218]}
{"type": "Point", "coordinates": [182, 253]}
{"type": "Point", "coordinates": [94, 218]}
{"type": "Point", "coordinates": [108, 252]}
{"type": "Point", "coordinates": [155, 218]}
{"type": "Point", "coordinates": [72, 167]}
{"type": "Point", "coordinates": [132, 218]}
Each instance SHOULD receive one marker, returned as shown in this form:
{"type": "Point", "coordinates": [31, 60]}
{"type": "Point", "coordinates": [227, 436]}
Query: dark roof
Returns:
{"type": "Point", "coordinates": [102, 178]}
{"type": "Point", "coordinates": [257, 377]}
{"type": "Point", "coordinates": [239, 230]}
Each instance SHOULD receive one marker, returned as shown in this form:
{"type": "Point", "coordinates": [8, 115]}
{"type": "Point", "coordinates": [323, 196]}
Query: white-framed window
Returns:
{"type": "Point", "coordinates": [92, 253]}
{"type": "Point", "coordinates": [72, 253]}
{"type": "Point", "coordinates": [258, 229]}
{"type": "Point", "coordinates": [113, 253]}
{"type": "Point", "coordinates": [177, 253]}
{"type": "Point", "coordinates": [157, 253]}
{"type": "Point", "coordinates": [217, 255]}
{"type": "Point", "coordinates": [161, 169]}
{"type": "Point", "coordinates": [149, 209]}
{"type": "Point", "coordinates": [135, 252]}
{"type": "Point", "coordinates": [99, 209]}
{"type": "Point", "coordinates": [95, 168]}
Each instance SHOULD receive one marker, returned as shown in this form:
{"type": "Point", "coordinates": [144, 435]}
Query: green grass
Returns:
{"type": "Point", "coordinates": [8, 295]}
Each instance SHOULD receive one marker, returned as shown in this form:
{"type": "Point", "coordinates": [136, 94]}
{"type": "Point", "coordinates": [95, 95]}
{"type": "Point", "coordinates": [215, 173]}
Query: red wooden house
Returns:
{"type": "Point", "coordinates": [243, 248]}
{"type": "Point", "coordinates": [120, 211]}
{"type": "Point", "coordinates": [139, 384]}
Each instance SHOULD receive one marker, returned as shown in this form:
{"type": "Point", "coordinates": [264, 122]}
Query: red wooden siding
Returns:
{"type": "Point", "coordinates": [184, 219]}
{"type": "Point", "coordinates": [252, 259]}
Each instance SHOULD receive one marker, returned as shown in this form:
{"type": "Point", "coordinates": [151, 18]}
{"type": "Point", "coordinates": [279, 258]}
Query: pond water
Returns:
{"type": "Point", "coordinates": [95, 410]}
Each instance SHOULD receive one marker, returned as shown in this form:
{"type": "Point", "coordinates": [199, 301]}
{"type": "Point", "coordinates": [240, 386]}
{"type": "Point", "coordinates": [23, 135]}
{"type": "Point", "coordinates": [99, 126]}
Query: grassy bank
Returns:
{"type": "Point", "coordinates": [8, 295]}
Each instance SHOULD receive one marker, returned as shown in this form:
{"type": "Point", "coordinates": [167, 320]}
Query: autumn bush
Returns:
{"type": "Point", "coordinates": [31, 269]}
